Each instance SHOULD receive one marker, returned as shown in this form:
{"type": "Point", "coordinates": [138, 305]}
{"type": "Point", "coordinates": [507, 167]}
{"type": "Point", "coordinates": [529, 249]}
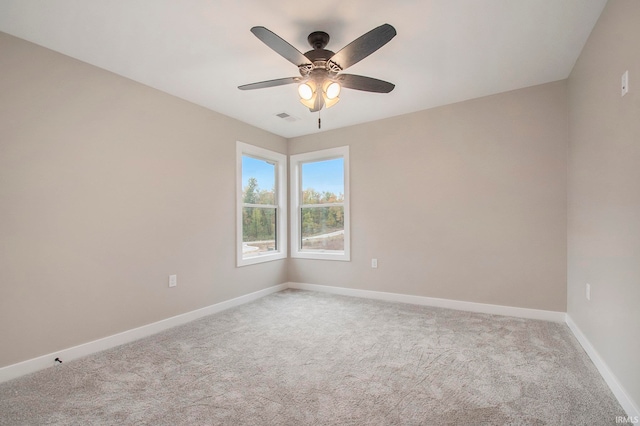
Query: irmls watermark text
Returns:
{"type": "Point", "coordinates": [629, 420]}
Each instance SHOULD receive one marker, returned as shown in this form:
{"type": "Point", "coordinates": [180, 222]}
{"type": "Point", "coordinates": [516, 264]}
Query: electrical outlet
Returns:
{"type": "Point", "coordinates": [374, 263]}
{"type": "Point", "coordinates": [624, 85]}
{"type": "Point", "coordinates": [588, 290]}
{"type": "Point", "coordinates": [173, 280]}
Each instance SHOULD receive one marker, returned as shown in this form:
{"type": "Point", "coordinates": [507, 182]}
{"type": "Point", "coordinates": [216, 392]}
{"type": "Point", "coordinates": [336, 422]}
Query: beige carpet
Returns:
{"type": "Point", "coordinates": [305, 358]}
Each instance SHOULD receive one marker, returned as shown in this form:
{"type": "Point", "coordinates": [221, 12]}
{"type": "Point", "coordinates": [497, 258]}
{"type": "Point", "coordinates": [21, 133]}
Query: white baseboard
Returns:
{"type": "Point", "coordinates": [619, 392]}
{"type": "Point", "coordinates": [510, 311]}
{"type": "Point", "coordinates": [32, 365]}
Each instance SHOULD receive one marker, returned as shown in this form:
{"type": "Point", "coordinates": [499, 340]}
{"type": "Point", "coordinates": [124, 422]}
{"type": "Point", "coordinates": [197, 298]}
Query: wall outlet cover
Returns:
{"type": "Point", "coordinates": [588, 291]}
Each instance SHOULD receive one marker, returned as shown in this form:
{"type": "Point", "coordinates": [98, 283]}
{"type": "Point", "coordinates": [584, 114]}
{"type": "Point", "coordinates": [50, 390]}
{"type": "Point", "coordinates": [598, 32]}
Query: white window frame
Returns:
{"type": "Point", "coordinates": [295, 173]}
{"type": "Point", "coordinates": [280, 161]}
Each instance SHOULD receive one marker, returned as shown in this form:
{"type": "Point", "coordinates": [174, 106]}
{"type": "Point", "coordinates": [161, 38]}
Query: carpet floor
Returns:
{"type": "Point", "coordinates": [306, 358]}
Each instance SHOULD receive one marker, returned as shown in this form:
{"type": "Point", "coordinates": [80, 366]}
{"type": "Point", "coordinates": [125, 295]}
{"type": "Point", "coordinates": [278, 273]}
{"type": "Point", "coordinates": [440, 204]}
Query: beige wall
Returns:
{"type": "Point", "coordinates": [106, 188]}
{"type": "Point", "coordinates": [464, 202]}
{"type": "Point", "coordinates": [604, 192]}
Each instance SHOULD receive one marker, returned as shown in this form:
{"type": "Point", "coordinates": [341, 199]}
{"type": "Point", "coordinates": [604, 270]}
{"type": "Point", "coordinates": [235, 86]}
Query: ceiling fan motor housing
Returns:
{"type": "Point", "coordinates": [319, 57]}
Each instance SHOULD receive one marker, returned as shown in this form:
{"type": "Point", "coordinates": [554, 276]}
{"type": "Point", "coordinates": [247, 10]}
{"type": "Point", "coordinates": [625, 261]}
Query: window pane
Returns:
{"type": "Point", "coordinates": [258, 231]}
{"type": "Point", "coordinates": [258, 181]}
{"type": "Point", "coordinates": [322, 228]}
{"type": "Point", "coordinates": [323, 181]}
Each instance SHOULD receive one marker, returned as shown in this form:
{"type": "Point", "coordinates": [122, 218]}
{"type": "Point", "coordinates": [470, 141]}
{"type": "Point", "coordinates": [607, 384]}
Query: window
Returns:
{"type": "Point", "coordinates": [320, 204]}
{"type": "Point", "coordinates": [261, 205]}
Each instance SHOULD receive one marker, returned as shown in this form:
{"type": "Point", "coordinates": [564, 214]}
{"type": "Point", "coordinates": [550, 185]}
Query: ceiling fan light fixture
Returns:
{"type": "Point", "coordinates": [307, 91]}
{"type": "Point", "coordinates": [330, 92]}
{"type": "Point", "coordinates": [330, 102]}
{"type": "Point", "coordinates": [331, 89]}
{"type": "Point", "coordinates": [309, 103]}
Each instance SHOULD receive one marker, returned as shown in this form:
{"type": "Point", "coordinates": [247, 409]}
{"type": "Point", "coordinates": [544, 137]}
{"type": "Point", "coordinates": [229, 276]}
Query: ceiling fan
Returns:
{"type": "Point", "coordinates": [321, 69]}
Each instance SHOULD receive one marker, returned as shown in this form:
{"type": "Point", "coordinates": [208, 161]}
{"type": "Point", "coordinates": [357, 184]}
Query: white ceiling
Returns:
{"type": "Point", "coordinates": [200, 50]}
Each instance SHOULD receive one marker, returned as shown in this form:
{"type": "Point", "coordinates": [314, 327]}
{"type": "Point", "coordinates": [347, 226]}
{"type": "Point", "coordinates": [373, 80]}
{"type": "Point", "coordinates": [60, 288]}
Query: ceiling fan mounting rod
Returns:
{"type": "Point", "coordinates": [318, 39]}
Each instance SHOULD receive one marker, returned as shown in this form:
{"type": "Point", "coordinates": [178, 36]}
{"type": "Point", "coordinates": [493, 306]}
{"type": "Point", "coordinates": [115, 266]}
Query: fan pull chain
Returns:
{"type": "Point", "coordinates": [319, 121]}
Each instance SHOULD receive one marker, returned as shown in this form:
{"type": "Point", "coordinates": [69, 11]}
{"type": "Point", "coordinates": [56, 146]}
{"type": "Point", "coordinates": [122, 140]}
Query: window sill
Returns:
{"type": "Point", "coordinates": [320, 255]}
{"type": "Point", "coordinates": [261, 259]}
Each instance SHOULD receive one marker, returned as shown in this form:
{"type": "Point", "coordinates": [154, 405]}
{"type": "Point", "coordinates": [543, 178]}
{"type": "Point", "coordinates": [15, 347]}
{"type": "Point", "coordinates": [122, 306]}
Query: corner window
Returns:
{"type": "Point", "coordinates": [320, 204]}
{"type": "Point", "coordinates": [261, 205]}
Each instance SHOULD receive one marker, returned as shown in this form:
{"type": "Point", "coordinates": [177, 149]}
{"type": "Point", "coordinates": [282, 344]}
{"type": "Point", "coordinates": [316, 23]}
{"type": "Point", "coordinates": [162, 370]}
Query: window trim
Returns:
{"type": "Point", "coordinates": [280, 161]}
{"type": "Point", "coordinates": [295, 173]}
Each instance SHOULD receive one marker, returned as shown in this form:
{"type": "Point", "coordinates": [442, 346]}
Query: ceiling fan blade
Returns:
{"type": "Point", "coordinates": [367, 84]}
{"type": "Point", "coordinates": [364, 46]}
{"type": "Point", "coordinates": [270, 83]}
{"type": "Point", "coordinates": [280, 46]}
